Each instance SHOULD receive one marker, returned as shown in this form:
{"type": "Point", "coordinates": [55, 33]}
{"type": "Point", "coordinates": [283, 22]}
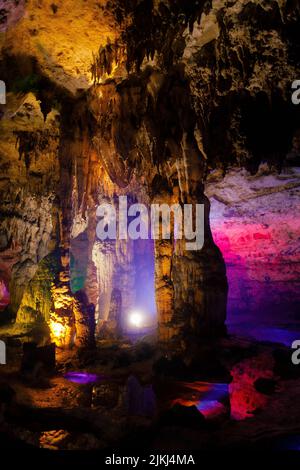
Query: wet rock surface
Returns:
{"type": "Point", "coordinates": [131, 404]}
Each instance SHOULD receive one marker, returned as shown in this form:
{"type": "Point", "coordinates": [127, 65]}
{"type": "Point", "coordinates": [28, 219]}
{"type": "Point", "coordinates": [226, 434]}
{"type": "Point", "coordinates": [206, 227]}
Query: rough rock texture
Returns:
{"type": "Point", "coordinates": [37, 301]}
{"type": "Point", "coordinates": [60, 36]}
{"type": "Point", "coordinates": [29, 174]}
{"type": "Point", "coordinates": [255, 222]}
{"type": "Point", "coordinates": [141, 98]}
{"type": "Point", "coordinates": [244, 398]}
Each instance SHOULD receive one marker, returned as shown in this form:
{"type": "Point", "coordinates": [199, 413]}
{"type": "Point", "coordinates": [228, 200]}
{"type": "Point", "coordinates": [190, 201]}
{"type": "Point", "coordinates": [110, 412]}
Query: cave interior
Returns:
{"type": "Point", "coordinates": [118, 341]}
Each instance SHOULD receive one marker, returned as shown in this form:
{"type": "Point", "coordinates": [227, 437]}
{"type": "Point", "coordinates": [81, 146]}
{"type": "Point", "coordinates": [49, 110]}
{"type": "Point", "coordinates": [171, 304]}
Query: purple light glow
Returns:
{"type": "Point", "coordinates": [4, 295]}
{"type": "Point", "coordinates": [207, 397]}
{"type": "Point", "coordinates": [259, 239]}
{"type": "Point", "coordinates": [210, 404]}
{"type": "Point", "coordinates": [82, 377]}
{"type": "Point", "coordinates": [284, 336]}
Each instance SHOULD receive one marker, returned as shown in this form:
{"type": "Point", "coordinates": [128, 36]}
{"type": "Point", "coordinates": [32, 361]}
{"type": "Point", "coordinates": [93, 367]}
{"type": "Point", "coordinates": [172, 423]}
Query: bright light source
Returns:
{"type": "Point", "coordinates": [136, 319]}
{"type": "Point", "coordinates": [57, 329]}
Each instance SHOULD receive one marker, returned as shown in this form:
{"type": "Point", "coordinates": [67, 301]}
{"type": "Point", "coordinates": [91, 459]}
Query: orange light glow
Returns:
{"type": "Point", "coordinates": [58, 332]}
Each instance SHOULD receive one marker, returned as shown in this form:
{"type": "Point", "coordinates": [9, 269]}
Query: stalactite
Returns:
{"type": "Point", "coordinates": [31, 144]}
{"type": "Point", "coordinates": [108, 57]}
{"type": "Point", "coordinates": [154, 26]}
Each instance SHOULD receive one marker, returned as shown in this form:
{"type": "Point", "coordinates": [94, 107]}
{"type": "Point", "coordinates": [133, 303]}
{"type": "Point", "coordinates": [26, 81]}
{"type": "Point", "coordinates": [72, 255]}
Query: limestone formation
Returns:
{"type": "Point", "coordinates": [142, 98]}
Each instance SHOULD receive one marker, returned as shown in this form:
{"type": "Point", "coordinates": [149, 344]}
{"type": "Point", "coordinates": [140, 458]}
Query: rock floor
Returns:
{"type": "Point", "coordinates": [124, 403]}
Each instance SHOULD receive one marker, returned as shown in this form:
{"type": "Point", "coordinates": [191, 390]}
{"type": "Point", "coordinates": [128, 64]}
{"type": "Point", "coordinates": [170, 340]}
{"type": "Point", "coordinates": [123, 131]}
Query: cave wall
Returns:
{"type": "Point", "coordinates": [29, 175]}
{"type": "Point", "coordinates": [255, 222]}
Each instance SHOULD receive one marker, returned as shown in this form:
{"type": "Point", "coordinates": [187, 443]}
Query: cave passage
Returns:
{"type": "Point", "coordinates": [143, 316]}
{"type": "Point", "coordinates": [124, 289]}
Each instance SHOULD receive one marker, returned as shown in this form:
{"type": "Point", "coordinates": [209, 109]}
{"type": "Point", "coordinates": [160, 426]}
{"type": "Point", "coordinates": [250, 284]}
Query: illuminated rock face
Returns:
{"type": "Point", "coordinates": [62, 36]}
{"type": "Point", "coordinates": [245, 399]}
{"type": "Point", "coordinates": [11, 13]}
{"type": "Point", "coordinates": [255, 223]}
{"type": "Point", "coordinates": [29, 175]}
{"type": "Point", "coordinates": [183, 279]}
{"type": "Point", "coordinates": [141, 99]}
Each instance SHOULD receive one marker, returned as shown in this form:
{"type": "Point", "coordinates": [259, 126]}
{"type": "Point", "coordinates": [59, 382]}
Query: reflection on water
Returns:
{"type": "Point", "coordinates": [82, 377]}
{"type": "Point", "coordinates": [274, 334]}
{"type": "Point", "coordinates": [209, 398]}
{"type": "Point", "coordinates": [211, 408]}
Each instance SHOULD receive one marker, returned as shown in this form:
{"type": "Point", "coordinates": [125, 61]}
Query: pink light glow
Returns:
{"type": "Point", "coordinates": [263, 264]}
{"type": "Point", "coordinates": [4, 295]}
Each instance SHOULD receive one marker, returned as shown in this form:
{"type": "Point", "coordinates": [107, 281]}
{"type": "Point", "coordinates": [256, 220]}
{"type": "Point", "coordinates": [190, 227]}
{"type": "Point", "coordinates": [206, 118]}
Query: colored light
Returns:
{"type": "Point", "coordinates": [57, 329]}
{"type": "Point", "coordinates": [136, 319]}
{"type": "Point", "coordinates": [82, 377]}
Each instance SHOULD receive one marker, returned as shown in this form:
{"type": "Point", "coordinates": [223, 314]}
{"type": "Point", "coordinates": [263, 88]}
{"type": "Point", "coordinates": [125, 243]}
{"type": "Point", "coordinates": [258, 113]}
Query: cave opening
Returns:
{"type": "Point", "coordinates": [119, 278]}
{"type": "Point", "coordinates": [142, 317]}
{"type": "Point", "coordinates": [126, 305]}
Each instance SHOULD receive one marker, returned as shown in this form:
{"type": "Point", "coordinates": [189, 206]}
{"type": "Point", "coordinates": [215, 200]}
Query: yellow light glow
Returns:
{"type": "Point", "coordinates": [57, 330]}
{"type": "Point", "coordinates": [105, 76]}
